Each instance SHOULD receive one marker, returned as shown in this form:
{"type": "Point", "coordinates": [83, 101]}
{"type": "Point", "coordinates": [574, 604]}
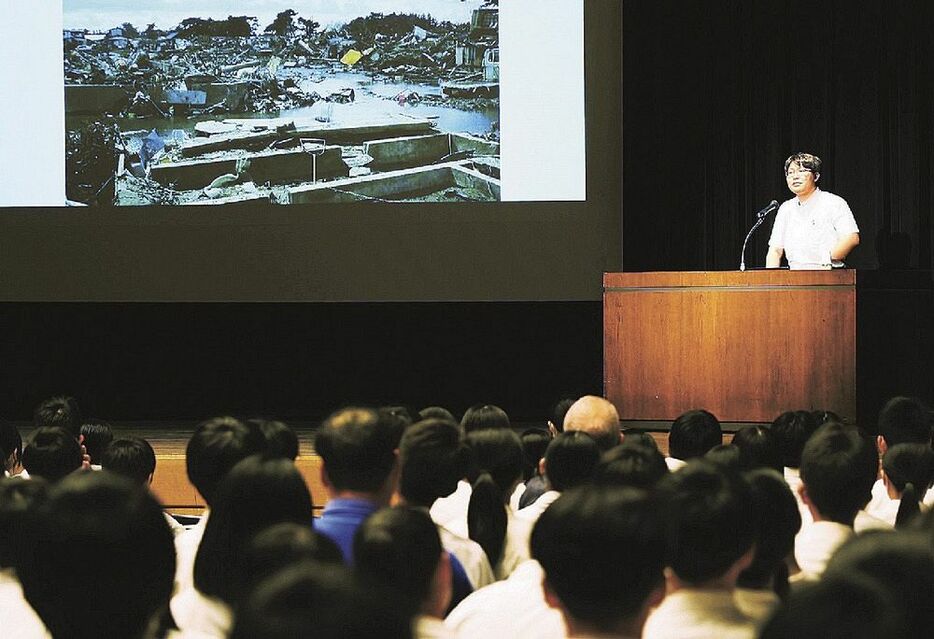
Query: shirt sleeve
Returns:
{"type": "Point", "coordinates": [843, 221]}
{"type": "Point", "coordinates": [777, 239]}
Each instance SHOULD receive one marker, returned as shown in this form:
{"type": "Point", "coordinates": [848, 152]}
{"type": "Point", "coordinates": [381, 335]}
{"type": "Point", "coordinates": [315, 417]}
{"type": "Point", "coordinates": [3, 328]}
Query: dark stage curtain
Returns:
{"type": "Point", "coordinates": [717, 94]}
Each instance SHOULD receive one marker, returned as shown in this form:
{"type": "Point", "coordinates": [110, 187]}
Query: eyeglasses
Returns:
{"type": "Point", "coordinates": [799, 171]}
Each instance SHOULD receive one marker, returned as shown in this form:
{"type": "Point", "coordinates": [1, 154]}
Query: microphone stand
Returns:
{"type": "Point", "coordinates": [742, 257]}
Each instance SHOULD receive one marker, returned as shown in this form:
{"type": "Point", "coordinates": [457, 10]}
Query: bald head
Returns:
{"type": "Point", "coordinates": [595, 416]}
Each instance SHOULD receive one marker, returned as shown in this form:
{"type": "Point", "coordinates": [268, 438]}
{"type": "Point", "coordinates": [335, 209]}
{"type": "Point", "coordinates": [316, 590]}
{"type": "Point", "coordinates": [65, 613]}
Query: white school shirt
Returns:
{"type": "Point", "coordinates": [808, 231]}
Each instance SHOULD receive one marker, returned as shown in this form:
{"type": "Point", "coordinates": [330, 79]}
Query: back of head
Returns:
{"type": "Point", "coordinates": [631, 464]}
{"type": "Point", "coordinates": [256, 493]}
{"type": "Point", "coordinates": [105, 521]}
{"type": "Point", "coordinates": [97, 436]}
{"type": "Point", "coordinates": [792, 429]}
{"type": "Point", "coordinates": [777, 521]}
{"type": "Point", "coordinates": [693, 433]}
{"type": "Point", "coordinates": [839, 607]}
{"type": "Point", "coordinates": [570, 460]}
{"type": "Point", "coordinates": [281, 440]}
{"type": "Point", "coordinates": [559, 412]}
{"type": "Point", "coordinates": [709, 529]}
{"type": "Point", "coordinates": [910, 469]}
{"type": "Point", "coordinates": [838, 469]}
{"type": "Point", "coordinates": [398, 549]}
{"type": "Point", "coordinates": [484, 417]}
{"type": "Point", "coordinates": [310, 599]}
{"type": "Point", "coordinates": [496, 468]}
{"type": "Point", "coordinates": [597, 417]}
{"type": "Point", "coordinates": [18, 498]}
{"type": "Point", "coordinates": [397, 419]}
{"type": "Point", "coordinates": [59, 411]}
{"type": "Point", "coordinates": [52, 454]}
{"type": "Point", "coordinates": [534, 444]}
{"type": "Point", "coordinates": [357, 446]}
{"type": "Point", "coordinates": [726, 456]}
{"type": "Point", "coordinates": [906, 420]}
{"type": "Point", "coordinates": [436, 412]}
{"type": "Point", "coordinates": [215, 447]}
{"type": "Point", "coordinates": [758, 448]}
{"type": "Point", "coordinates": [901, 563]}
{"type": "Point", "coordinates": [434, 458]}
{"type": "Point", "coordinates": [282, 545]}
{"type": "Point", "coordinates": [603, 553]}
{"type": "Point", "coordinates": [132, 457]}
{"type": "Point", "coordinates": [11, 446]}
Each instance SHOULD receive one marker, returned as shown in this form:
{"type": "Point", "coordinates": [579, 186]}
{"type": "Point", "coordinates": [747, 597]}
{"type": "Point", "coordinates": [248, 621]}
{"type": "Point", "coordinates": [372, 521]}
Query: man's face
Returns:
{"type": "Point", "coordinates": [800, 180]}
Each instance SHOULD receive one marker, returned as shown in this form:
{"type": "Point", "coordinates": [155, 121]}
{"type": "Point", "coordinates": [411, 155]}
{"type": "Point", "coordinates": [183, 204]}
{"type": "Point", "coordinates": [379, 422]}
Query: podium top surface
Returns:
{"type": "Point", "coordinates": [739, 279]}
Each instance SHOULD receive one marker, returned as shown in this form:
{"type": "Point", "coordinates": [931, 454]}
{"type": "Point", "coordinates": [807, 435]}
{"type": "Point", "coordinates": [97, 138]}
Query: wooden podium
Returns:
{"type": "Point", "coordinates": [749, 345]}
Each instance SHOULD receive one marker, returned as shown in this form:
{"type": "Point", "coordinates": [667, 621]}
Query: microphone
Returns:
{"type": "Point", "coordinates": [771, 207]}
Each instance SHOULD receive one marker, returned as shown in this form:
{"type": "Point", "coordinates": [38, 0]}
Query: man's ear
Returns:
{"type": "Point", "coordinates": [551, 598]}
{"type": "Point", "coordinates": [816, 177]}
{"type": "Point", "coordinates": [881, 445]}
{"type": "Point", "coordinates": [542, 467]}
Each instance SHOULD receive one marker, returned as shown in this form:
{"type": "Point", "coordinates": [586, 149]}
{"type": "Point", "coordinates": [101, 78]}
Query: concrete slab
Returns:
{"type": "Point", "coordinates": [410, 151]}
{"type": "Point", "coordinates": [392, 185]}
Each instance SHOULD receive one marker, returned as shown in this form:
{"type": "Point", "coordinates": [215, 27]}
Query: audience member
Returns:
{"type": "Point", "coordinates": [758, 448]}
{"type": "Point", "coordinates": [11, 450]}
{"type": "Point", "coordinates": [52, 454]}
{"type": "Point", "coordinates": [96, 437]}
{"type": "Point", "coordinates": [484, 417]}
{"type": "Point", "coordinates": [908, 473]}
{"type": "Point", "coordinates": [569, 462]}
{"type": "Point", "coordinates": [603, 553]}
{"type": "Point", "coordinates": [692, 434]}
{"type": "Point", "coordinates": [534, 443]}
{"type": "Point", "coordinates": [437, 412]}
{"type": "Point", "coordinates": [710, 537]}
{"type": "Point", "coordinates": [838, 468]}
{"type": "Point", "coordinates": [632, 464]}
{"type": "Point", "coordinates": [792, 430]}
{"type": "Point", "coordinates": [638, 436]}
{"type": "Point", "coordinates": [281, 440]}
{"type": "Point", "coordinates": [598, 418]}
{"type": "Point", "coordinates": [281, 545]}
{"type": "Point", "coordinates": [101, 560]}
{"type": "Point", "coordinates": [62, 412]}
{"type": "Point", "coordinates": [398, 550]}
{"type": "Point", "coordinates": [726, 456]}
{"type": "Point", "coordinates": [434, 458]}
{"type": "Point", "coordinates": [558, 413]}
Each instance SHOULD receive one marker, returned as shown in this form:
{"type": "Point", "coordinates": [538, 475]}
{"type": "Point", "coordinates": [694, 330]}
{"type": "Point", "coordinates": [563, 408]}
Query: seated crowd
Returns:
{"type": "Point", "coordinates": [434, 527]}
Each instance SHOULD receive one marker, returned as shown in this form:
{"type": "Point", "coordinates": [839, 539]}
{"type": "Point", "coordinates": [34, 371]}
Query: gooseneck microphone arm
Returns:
{"type": "Point", "coordinates": [760, 218]}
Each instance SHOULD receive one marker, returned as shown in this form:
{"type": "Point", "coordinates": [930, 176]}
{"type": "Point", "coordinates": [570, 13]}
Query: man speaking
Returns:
{"type": "Point", "coordinates": [815, 230]}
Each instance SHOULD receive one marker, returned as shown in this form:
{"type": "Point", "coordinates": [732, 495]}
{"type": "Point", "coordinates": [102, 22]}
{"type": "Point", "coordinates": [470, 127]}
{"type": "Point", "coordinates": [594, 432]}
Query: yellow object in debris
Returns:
{"type": "Point", "coordinates": [352, 57]}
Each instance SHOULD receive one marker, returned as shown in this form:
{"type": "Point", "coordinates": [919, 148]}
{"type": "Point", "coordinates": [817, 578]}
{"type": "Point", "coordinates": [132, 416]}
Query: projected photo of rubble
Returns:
{"type": "Point", "coordinates": [191, 103]}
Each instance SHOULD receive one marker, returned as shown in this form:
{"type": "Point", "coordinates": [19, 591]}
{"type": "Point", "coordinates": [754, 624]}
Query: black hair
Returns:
{"type": "Point", "coordinates": [758, 448]}
{"type": "Point", "coordinates": [105, 521]}
{"type": "Point", "coordinates": [534, 444]}
{"type": "Point", "coordinates": [256, 493]}
{"type": "Point", "coordinates": [902, 563]}
{"type": "Point", "coordinates": [496, 457]}
{"type": "Point", "coordinates": [807, 161]}
{"type": "Point", "coordinates": [637, 436]}
{"type": "Point", "coordinates": [632, 464]}
{"type": "Point", "coordinates": [436, 412]}
{"type": "Point", "coordinates": [570, 460]}
{"type": "Point", "coordinates": [397, 419]}
{"type": "Point", "coordinates": [215, 447]}
{"type": "Point", "coordinates": [603, 553]}
{"type": "Point", "coordinates": [18, 497]}
{"type": "Point", "coordinates": [97, 436]}
{"type": "Point", "coordinates": [706, 509]}
{"type": "Point", "coordinates": [906, 420]}
{"type": "Point", "coordinates": [822, 416]}
{"type": "Point", "coordinates": [838, 468]}
{"type": "Point", "coordinates": [398, 549]}
{"type": "Point", "coordinates": [433, 458]}
{"type": "Point", "coordinates": [52, 453]}
{"type": "Point", "coordinates": [910, 469]}
{"type": "Point", "coordinates": [281, 440]}
{"type": "Point", "coordinates": [132, 457]}
{"type": "Point", "coordinates": [694, 433]}
{"type": "Point", "coordinates": [60, 411]}
{"type": "Point", "coordinates": [358, 447]}
{"type": "Point", "coordinates": [320, 599]}
{"type": "Point", "coordinates": [284, 544]}
{"type": "Point", "coordinates": [727, 456]}
{"type": "Point", "coordinates": [839, 607]}
{"type": "Point", "coordinates": [11, 445]}
{"type": "Point", "coordinates": [484, 416]}
{"type": "Point", "coordinates": [561, 409]}
{"type": "Point", "coordinates": [777, 521]}
{"type": "Point", "coordinates": [792, 429]}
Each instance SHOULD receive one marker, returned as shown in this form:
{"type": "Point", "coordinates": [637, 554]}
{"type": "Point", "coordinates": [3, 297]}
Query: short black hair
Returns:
{"type": "Point", "coordinates": [61, 411]}
{"type": "Point", "coordinates": [726, 456]}
{"type": "Point", "coordinates": [281, 440]}
{"type": "Point", "coordinates": [807, 161]}
{"type": "Point", "coordinates": [534, 444]}
{"type": "Point", "coordinates": [105, 521]}
{"type": "Point", "coordinates": [484, 416]}
{"type": "Point", "coordinates": [906, 420]}
{"type": "Point", "coordinates": [694, 433]}
{"type": "Point", "coordinates": [11, 443]}
{"type": "Point", "coordinates": [433, 458]}
{"type": "Point", "coordinates": [436, 412]}
{"type": "Point", "coordinates": [282, 545]}
{"type": "Point", "coordinates": [52, 453]}
{"type": "Point", "coordinates": [570, 460]}
{"type": "Point", "coordinates": [320, 598]}
{"type": "Point", "coordinates": [838, 469]}
{"type": "Point", "coordinates": [97, 436]}
{"type": "Point", "coordinates": [708, 527]}
{"type": "Point", "coordinates": [215, 447]}
{"type": "Point", "coordinates": [398, 549]}
{"type": "Point", "coordinates": [18, 497]}
{"type": "Point", "coordinates": [132, 457]}
{"type": "Point", "coordinates": [792, 429]}
{"type": "Point", "coordinates": [632, 464]}
{"type": "Point", "coordinates": [603, 552]}
{"type": "Point", "coordinates": [758, 448]}
{"type": "Point", "coordinates": [559, 411]}
{"type": "Point", "coordinates": [357, 446]}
